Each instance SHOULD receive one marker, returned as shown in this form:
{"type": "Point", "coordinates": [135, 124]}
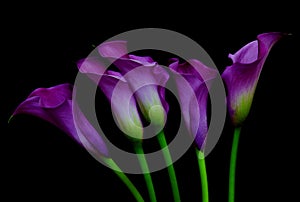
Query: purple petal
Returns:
{"type": "Point", "coordinates": [145, 60]}
{"type": "Point", "coordinates": [242, 76]}
{"type": "Point", "coordinates": [52, 97]}
{"type": "Point", "coordinates": [193, 80]}
{"type": "Point", "coordinates": [91, 65]}
{"type": "Point", "coordinates": [54, 105]}
{"type": "Point", "coordinates": [123, 104]}
{"type": "Point", "coordinates": [87, 134]}
{"type": "Point", "coordinates": [119, 94]}
{"type": "Point", "coordinates": [113, 49]}
{"type": "Point", "coordinates": [126, 65]}
{"type": "Point", "coordinates": [148, 84]}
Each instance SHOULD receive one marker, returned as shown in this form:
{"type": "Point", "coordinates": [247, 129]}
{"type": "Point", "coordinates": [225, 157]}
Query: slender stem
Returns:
{"type": "Point", "coordinates": [203, 175]}
{"type": "Point", "coordinates": [125, 179]}
{"type": "Point", "coordinates": [232, 167]}
{"type": "Point", "coordinates": [168, 159]}
{"type": "Point", "coordinates": [144, 166]}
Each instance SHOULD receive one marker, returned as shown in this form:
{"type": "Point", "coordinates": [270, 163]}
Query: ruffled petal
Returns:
{"type": "Point", "coordinates": [54, 105]}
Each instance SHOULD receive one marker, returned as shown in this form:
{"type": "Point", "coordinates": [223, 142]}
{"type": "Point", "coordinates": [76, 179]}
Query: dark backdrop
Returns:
{"type": "Point", "coordinates": [41, 47]}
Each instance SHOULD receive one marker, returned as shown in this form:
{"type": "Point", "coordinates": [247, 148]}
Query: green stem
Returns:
{"type": "Point", "coordinates": [168, 159]}
{"type": "Point", "coordinates": [232, 167]}
{"type": "Point", "coordinates": [144, 166]}
{"type": "Point", "coordinates": [203, 175]}
{"type": "Point", "coordinates": [124, 178]}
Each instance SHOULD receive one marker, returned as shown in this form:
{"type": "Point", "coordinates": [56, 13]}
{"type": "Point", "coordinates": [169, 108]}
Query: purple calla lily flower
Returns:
{"type": "Point", "coordinates": [126, 114]}
{"type": "Point", "coordinates": [54, 105]}
{"type": "Point", "coordinates": [146, 78]}
{"type": "Point", "coordinates": [242, 76]}
{"type": "Point", "coordinates": [193, 79]}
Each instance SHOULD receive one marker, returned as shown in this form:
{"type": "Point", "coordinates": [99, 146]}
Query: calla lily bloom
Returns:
{"type": "Point", "coordinates": [123, 103]}
{"type": "Point", "coordinates": [54, 105]}
{"type": "Point", "coordinates": [146, 78]}
{"type": "Point", "coordinates": [126, 114]}
{"type": "Point", "coordinates": [242, 76]}
{"type": "Point", "coordinates": [193, 79]}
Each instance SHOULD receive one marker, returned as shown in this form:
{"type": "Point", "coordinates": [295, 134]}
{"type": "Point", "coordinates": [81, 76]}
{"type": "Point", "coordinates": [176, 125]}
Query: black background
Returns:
{"type": "Point", "coordinates": [41, 47]}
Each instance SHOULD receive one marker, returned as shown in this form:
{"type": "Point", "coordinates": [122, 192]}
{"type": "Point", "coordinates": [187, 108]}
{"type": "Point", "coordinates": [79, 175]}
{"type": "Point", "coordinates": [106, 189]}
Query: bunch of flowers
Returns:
{"type": "Point", "coordinates": [133, 101]}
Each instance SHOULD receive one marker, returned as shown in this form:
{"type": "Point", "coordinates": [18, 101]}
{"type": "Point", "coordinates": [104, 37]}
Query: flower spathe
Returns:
{"type": "Point", "coordinates": [54, 105]}
{"type": "Point", "coordinates": [146, 78]}
{"type": "Point", "coordinates": [193, 79]}
{"type": "Point", "coordinates": [242, 76]}
{"type": "Point", "coordinates": [117, 91]}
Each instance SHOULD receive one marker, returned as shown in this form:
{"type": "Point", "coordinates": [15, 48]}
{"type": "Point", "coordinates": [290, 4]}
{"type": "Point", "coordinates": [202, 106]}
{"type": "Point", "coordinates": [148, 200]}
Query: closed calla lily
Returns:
{"type": "Point", "coordinates": [242, 76]}
{"type": "Point", "coordinates": [127, 116]}
{"type": "Point", "coordinates": [193, 79]}
{"type": "Point", "coordinates": [54, 105]}
{"type": "Point", "coordinates": [146, 78]}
